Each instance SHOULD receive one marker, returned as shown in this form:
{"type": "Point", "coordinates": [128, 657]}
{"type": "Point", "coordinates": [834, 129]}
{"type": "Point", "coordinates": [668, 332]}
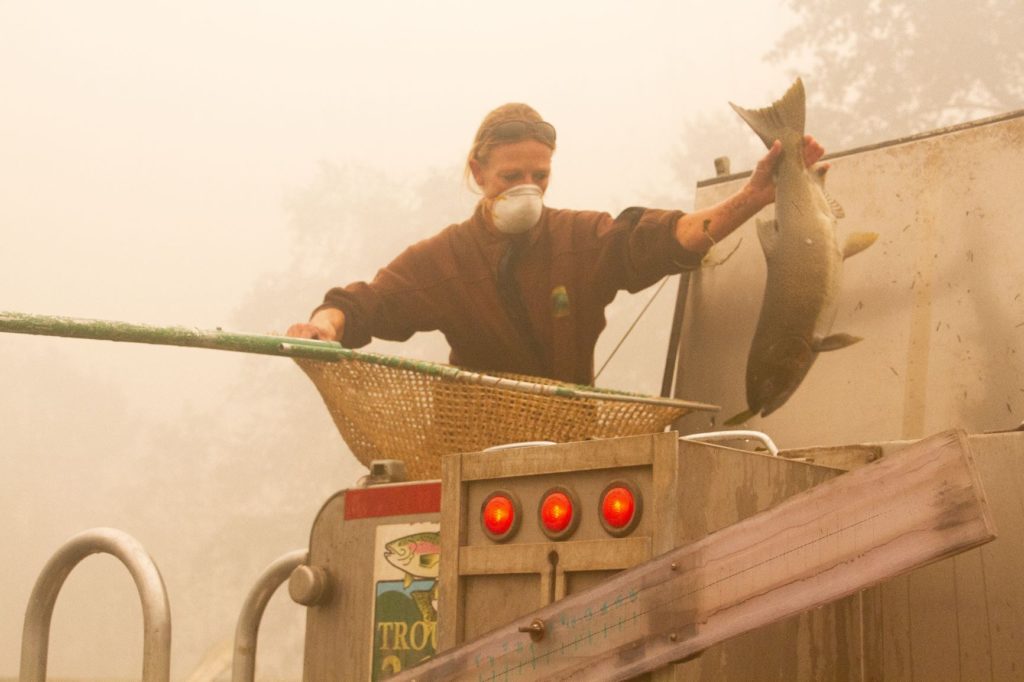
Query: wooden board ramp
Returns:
{"type": "Point", "coordinates": [884, 519]}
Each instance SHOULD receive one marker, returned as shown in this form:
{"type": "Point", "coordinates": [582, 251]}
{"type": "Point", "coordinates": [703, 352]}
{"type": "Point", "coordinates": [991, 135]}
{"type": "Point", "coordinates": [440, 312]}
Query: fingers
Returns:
{"type": "Point", "coordinates": [768, 161]}
{"type": "Point", "coordinates": [299, 331]}
{"type": "Point", "coordinates": [304, 330]}
{"type": "Point", "coordinates": [812, 150]}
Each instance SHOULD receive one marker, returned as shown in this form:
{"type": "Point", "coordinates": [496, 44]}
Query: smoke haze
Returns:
{"type": "Point", "coordinates": [222, 165]}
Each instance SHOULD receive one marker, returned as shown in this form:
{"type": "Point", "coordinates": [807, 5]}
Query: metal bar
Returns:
{"type": "Point", "coordinates": [713, 436]}
{"type": "Point", "coordinates": [286, 346]}
{"type": "Point", "coordinates": [103, 330]}
{"type": "Point", "coordinates": [243, 665]}
{"type": "Point", "coordinates": [937, 132]}
{"type": "Point", "coordinates": [676, 331]}
{"type": "Point", "coordinates": [156, 611]}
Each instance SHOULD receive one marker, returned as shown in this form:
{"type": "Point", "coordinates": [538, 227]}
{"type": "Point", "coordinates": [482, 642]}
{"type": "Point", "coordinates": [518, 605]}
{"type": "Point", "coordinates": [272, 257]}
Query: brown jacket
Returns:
{"type": "Point", "coordinates": [572, 266]}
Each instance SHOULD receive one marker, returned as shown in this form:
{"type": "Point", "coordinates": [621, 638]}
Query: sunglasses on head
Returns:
{"type": "Point", "coordinates": [517, 130]}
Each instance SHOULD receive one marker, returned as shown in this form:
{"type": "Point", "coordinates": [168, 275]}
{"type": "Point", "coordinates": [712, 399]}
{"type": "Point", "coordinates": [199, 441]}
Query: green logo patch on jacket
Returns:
{"type": "Point", "coordinates": [559, 302]}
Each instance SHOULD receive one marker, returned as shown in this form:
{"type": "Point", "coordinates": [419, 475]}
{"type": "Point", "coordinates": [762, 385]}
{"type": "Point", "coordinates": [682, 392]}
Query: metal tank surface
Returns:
{"type": "Point", "coordinates": [938, 299]}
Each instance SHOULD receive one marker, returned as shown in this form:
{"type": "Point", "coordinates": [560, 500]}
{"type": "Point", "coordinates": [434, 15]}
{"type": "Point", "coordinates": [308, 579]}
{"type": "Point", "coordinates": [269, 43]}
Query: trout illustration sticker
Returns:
{"type": "Point", "coordinates": [405, 570]}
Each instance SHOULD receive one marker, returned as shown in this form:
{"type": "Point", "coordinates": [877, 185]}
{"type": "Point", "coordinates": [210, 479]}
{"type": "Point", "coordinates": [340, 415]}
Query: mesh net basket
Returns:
{"type": "Point", "coordinates": [417, 412]}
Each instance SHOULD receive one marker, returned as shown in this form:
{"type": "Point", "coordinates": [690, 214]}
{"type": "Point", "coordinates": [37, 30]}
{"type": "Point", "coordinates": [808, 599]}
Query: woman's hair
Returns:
{"type": "Point", "coordinates": [484, 142]}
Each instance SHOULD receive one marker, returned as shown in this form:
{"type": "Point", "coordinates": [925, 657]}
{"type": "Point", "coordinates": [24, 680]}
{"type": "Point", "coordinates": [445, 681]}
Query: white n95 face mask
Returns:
{"type": "Point", "coordinates": [517, 209]}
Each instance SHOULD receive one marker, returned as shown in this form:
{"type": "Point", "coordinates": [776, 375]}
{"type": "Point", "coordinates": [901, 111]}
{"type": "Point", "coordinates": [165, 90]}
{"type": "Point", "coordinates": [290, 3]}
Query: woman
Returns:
{"type": "Point", "coordinates": [520, 287]}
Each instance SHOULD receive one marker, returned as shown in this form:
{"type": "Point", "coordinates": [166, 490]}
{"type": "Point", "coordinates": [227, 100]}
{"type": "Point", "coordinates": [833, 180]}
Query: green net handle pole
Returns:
{"type": "Point", "coordinates": [286, 346]}
{"type": "Point", "coordinates": [103, 330]}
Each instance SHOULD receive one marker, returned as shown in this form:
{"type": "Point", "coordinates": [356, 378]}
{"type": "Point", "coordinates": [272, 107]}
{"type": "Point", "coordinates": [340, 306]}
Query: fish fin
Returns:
{"type": "Point", "coordinates": [818, 174]}
{"type": "Point", "coordinates": [835, 206]}
{"type": "Point", "coordinates": [407, 580]}
{"type": "Point", "coordinates": [740, 418]}
{"type": "Point", "coordinates": [857, 242]}
{"type": "Point", "coordinates": [422, 601]}
{"type": "Point", "coordinates": [768, 234]}
{"type": "Point", "coordinates": [835, 342]}
{"type": "Point", "coordinates": [788, 113]}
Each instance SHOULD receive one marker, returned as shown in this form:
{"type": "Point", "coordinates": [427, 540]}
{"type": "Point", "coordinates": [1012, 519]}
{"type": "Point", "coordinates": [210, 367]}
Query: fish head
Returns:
{"type": "Point", "coordinates": [417, 555]}
{"type": "Point", "coordinates": [773, 375]}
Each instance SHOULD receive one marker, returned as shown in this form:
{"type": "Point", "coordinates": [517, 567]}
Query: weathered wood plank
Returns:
{"type": "Point", "coordinates": [586, 555]}
{"type": "Point", "coordinates": [831, 541]}
{"type": "Point", "coordinates": [530, 461]}
{"type": "Point", "coordinates": [844, 457]}
{"type": "Point", "coordinates": [450, 619]}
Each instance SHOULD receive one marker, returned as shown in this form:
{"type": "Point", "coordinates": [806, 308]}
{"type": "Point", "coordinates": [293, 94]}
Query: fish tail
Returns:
{"type": "Point", "coordinates": [788, 113]}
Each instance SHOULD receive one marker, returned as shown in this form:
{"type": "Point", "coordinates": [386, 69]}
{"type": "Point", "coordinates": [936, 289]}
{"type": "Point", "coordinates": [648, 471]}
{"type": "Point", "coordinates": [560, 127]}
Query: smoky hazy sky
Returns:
{"type": "Point", "coordinates": [146, 146]}
{"type": "Point", "coordinates": [146, 153]}
{"type": "Point", "coordinates": [149, 152]}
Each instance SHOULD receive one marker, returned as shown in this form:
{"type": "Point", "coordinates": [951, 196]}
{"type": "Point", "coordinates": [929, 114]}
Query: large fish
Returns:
{"type": "Point", "coordinates": [804, 263]}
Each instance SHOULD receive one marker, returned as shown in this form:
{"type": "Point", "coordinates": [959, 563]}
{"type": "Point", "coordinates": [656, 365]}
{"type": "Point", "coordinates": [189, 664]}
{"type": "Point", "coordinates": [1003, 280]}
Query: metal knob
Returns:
{"type": "Point", "coordinates": [536, 629]}
{"type": "Point", "coordinates": [309, 585]}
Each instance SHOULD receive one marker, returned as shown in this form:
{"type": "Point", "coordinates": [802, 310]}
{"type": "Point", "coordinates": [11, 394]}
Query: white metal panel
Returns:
{"type": "Point", "coordinates": [939, 298]}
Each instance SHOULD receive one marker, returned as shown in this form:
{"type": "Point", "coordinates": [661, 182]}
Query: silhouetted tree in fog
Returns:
{"type": "Point", "coordinates": [886, 69]}
{"type": "Point", "coordinates": [876, 71]}
{"type": "Point", "coordinates": [343, 226]}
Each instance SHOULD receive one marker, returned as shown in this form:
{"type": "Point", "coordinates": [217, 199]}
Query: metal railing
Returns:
{"type": "Point", "coordinates": [717, 436]}
{"type": "Point", "coordinates": [156, 611]}
{"type": "Point", "coordinates": [243, 666]}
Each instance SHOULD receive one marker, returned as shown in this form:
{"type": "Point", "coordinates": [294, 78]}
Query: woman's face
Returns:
{"type": "Point", "coordinates": [516, 163]}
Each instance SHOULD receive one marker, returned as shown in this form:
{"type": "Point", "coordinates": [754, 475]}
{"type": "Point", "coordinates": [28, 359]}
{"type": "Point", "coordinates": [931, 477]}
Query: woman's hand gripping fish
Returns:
{"type": "Point", "coordinates": [804, 263]}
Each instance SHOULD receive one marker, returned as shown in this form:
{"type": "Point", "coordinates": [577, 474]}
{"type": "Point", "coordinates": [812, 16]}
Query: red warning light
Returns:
{"type": "Point", "coordinates": [556, 512]}
{"type": "Point", "coordinates": [500, 515]}
{"type": "Point", "coordinates": [617, 507]}
{"type": "Point", "coordinates": [620, 508]}
{"type": "Point", "coordinates": [558, 515]}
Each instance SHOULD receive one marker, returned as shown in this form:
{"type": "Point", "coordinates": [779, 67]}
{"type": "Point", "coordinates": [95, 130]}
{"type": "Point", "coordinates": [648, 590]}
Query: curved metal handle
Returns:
{"type": "Point", "coordinates": [156, 611]}
{"type": "Point", "coordinates": [243, 665]}
{"type": "Point", "coordinates": [711, 436]}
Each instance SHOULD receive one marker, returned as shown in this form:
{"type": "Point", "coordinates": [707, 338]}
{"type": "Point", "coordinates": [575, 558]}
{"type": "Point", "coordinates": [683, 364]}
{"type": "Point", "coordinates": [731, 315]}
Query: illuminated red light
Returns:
{"type": "Point", "coordinates": [618, 507]}
{"type": "Point", "coordinates": [621, 506]}
{"type": "Point", "coordinates": [556, 512]}
{"type": "Point", "coordinates": [500, 515]}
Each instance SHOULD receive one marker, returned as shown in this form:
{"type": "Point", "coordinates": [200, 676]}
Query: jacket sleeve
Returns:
{"type": "Point", "coordinates": [638, 248]}
{"type": "Point", "coordinates": [394, 305]}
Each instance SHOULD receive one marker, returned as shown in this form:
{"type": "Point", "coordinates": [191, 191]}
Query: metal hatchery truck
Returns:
{"type": "Point", "coordinates": [863, 550]}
